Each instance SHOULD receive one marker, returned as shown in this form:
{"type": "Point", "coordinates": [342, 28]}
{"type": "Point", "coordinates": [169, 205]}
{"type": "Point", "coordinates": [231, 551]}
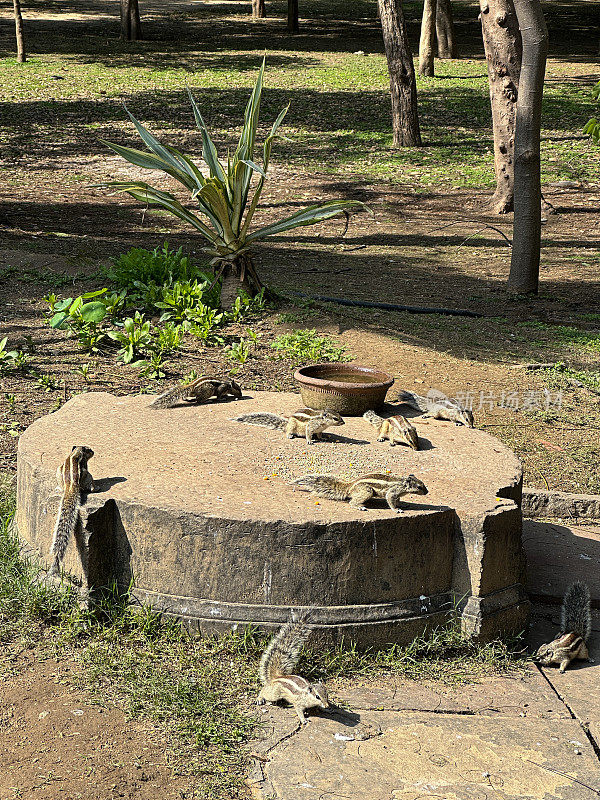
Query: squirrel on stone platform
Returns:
{"type": "Point", "coordinates": [199, 390]}
{"type": "Point", "coordinates": [575, 629]}
{"type": "Point", "coordinates": [390, 487]}
{"type": "Point", "coordinates": [306, 422]}
{"type": "Point", "coordinates": [276, 670]}
{"type": "Point", "coordinates": [74, 480]}
{"type": "Point", "coordinates": [397, 429]}
{"type": "Point", "coordinates": [442, 408]}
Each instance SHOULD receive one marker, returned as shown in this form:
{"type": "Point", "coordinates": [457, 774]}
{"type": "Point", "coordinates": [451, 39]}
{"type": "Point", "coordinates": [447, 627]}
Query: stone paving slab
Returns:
{"type": "Point", "coordinates": [578, 686]}
{"type": "Point", "coordinates": [421, 756]}
{"type": "Point", "coordinates": [517, 696]}
{"type": "Point", "coordinates": [557, 554]}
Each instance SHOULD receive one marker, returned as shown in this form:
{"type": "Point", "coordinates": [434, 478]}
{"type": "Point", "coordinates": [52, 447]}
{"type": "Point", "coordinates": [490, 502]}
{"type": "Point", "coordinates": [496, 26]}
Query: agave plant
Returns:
{"type": "Point", "coordinates": [224, 196]}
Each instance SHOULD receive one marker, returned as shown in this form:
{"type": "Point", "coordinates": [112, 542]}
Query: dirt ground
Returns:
{"type": "Point", "coordinates": [423, 248]}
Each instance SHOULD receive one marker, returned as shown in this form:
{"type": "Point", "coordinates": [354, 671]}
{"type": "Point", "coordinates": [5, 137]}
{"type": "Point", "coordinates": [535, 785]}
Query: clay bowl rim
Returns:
{"type": "Point", "coordinates": [309, 381]}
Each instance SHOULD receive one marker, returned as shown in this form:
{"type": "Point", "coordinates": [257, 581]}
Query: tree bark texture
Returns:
{"type": "Point", "coordinates": [403, 86]}
{"type": "Point", "coordinates": [292, 21]}
{"type": "Point", "coordinates": [238, 274]}
{"type": "Point", "coordinates": [258, 9]}
{"type": "Point", "coordinates": [444, 30]}
{"type": "Point", "coordinates": [527, 226]}
{"type": "Point", "coordinates": [131, 26]}
{"type": "Point", "coordinates": [502, 43]}
{"type": "Point", "coordinates": [21, 56]}
{"type": "Point", "coordinates": [427, 41]}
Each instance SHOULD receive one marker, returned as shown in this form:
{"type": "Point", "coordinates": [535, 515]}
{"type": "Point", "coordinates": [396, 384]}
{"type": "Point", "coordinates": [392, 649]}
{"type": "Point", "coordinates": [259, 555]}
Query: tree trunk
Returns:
{"type": "Point", "coordinates": [527, 226]}
{"type": "Point", "coordinates": [239, 273]}
{"type": "Point", "coordinates": [405, 117]}
{"type": "Point", "coordinates": [21, 57]}
{"type": "Point", "coordinates": [292, 22]}
{"type": "Point", "coordinates": [131, 27]}
{"type": "Point", "coordinates": [427, 41]}
{"type": "Point", "coordinates": [258, 9]}
{"type": "Point", "coordinates": [502, 43]}
{"type": "Point", "coordinates": [444, 30]}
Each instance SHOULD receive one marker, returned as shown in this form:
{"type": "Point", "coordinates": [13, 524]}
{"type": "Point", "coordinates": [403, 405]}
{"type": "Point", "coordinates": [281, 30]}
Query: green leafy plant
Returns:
{"type": "Point", "coordinates": [47, 382]}
{"type": "Point", "coordinates": [244, 305]}
{"type": "Point", "coordinates": [135, 338]}
{"type": "Point", "coordinates": [184, 301]}
{"type": "Point", "coordinates": [205, 326]}
{"type": "Point", "coordinates": [151, 367]}
{"type": "Point", "coordinates": [169, 337]}
{"type": "Point", "coordinates": [238, 351]}
{"type": "Point", "coordinates": [224, 198]}
{"type": "Point", "coordinates": [11, 400]}
{"type": "Point", "coordinates": [69, 310]}
{"type": "Point", "coordinates": [114, 302]}
{"type": "Point", "coordinates": [84, 371]}
{"type": "Point", "coordinates": [7, 357]}
{"type": "Point", "coordinates": [306, 345]}
{"type": "Point", "coordinates": [592, 126]}
{"type": "Point", "coordinates": [159, 267]}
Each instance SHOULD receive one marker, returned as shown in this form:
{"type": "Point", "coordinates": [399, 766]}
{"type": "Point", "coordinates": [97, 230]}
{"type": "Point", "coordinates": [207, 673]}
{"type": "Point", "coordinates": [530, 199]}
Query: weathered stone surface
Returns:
{"type": "Point", "coordinates": [417, 756]}
{"type": "Point", "coordinates": [557, 554]}
{"type": "Point", "coordinates": [540, 503]}
{"type": "Point", "coordinates": [578, 685]}
{"type": "Point", "coordinates": [516, 695]}
{"type": "Point", "coordinates": [198, 509]}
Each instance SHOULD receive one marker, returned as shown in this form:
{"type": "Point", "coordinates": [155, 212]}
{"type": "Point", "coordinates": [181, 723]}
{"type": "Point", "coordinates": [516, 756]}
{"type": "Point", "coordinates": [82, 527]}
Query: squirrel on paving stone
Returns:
{"type": "Point", "coordinates": [198, 391]}
{"type": "Point", "coordinates": [276, 670]}
{"type": "Point", "coordinates": [390, 487]}
{"type": "Point", "coordinates": [306, 422]}
{"type": "Point", "coordinates": [397, 429]}
{"type": "Point", "coordinates": [444, 408]}
{"type": "Point", "coordinates": [74, 481]}
{"type": "Point", "coordinates": [575, 629]}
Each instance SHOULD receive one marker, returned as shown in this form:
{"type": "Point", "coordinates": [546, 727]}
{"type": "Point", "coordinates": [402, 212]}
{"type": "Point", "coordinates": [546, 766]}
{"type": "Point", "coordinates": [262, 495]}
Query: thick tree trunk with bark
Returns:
{"type": "Point", "coordinates": [525, 261]}
{"type": "Point", "coordinates": [21, 57]}
{"type": "Point", "coordinates": [502, 43]}
{"type": "Point", "coordinates": [427, 41]}
{"type": "Point", "coordinates": [444, 30]}
{"type": "Point", "coordinates": [131, 26]}
{"type": "Point", "coordinates": [405, 117]}
{"type": "Point", "coordinates": [292, 19]}
{"type": "Point", "coordinates": [258, 9]}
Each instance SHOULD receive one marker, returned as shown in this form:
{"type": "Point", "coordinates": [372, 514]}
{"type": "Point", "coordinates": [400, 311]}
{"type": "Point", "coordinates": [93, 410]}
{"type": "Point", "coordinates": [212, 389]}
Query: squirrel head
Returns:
{"type": "Point", "coordinates": [466, 417]}
{"type": "Point", "coordinates": [415, 486]}
{"type": "Point", "coordinates": [332, 417]}
{"type": "Point", "coordinates": [318, 693]}
{"type": "Point", "coordinates": [84, 452]}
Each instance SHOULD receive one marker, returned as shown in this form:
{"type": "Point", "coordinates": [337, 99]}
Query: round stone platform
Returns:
{"type": "Point", "coordinates": [198, 510]}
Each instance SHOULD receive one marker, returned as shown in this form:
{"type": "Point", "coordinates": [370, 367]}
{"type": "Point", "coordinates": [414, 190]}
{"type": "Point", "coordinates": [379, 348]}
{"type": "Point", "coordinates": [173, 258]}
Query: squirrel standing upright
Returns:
{"type": "Point", "coordinates": [276, 670]}
{"type": "Point", "coordinates": [198, 391]}
{"type": "Point", "coordinates": [397, 429]}
{"type": "Point", "coordinates": [575, 629]}
{"type": "Point", "coordinates": [306, 422]}
{"type": "Point", "coordinates": [442, 408]}
{"type": "Point", "coordinates": [74, 480]}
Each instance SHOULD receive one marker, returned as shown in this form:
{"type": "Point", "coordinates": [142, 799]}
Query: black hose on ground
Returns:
{"type": "Point", "coordinates": [451, 312]}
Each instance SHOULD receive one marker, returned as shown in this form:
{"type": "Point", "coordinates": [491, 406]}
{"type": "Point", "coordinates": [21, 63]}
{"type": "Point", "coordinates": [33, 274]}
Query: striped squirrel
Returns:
{"type": "Point", "coordinates": [306, 422]}
{"type": "Point", "coordinates": [198, 391]}
{"type": "Point", "coordinates": [442, 408]}
{"type": "Point", "coordinates": [74, 480]}
{"type": "Point", "coordinates": [397, 429]}
{"type": "Point", "coordinates": [575, 629]}
{"type": "Point", "coordinates": [276, 670]}
{"type": "Point", "coordinates": [390, 487]}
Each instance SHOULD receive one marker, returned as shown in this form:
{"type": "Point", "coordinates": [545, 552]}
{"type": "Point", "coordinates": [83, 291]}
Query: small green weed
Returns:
{"type": "Point", "coordinates": [160, 267]}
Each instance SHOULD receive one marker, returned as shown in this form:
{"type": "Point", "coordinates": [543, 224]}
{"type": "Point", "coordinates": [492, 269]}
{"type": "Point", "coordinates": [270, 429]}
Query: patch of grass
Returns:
{"type": "Point", "coordinates": [444, 655]}
{"type": "Point", "coordinates": [564, 335]}
{"type": "Point", "coordinates": [306, 345]}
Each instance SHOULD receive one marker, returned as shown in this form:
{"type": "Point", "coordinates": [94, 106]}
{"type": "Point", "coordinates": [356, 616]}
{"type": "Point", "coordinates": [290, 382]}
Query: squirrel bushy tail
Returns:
{"type": "Point", "coordinates": [283, 650]}
{"type": "Point", "coordinates": [576, 615]}
{"type": "Point", "coordinates": [68, 512]}
{"type": "Point", "coordinates": [324, 486]}
{"type": "Point", "coordinates": [263, 418]}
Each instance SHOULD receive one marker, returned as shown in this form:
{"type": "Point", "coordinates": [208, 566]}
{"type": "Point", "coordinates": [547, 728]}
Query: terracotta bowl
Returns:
{"type": "Point", "coordinates": [348, 389]}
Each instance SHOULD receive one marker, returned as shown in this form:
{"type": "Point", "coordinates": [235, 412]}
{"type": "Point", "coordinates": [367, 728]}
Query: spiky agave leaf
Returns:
{"type": "Point", "coordinates": [307, 216]}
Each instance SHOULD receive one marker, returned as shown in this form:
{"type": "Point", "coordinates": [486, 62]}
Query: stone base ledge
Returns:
{"type": "Point", "coordinates": [550, 503]}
